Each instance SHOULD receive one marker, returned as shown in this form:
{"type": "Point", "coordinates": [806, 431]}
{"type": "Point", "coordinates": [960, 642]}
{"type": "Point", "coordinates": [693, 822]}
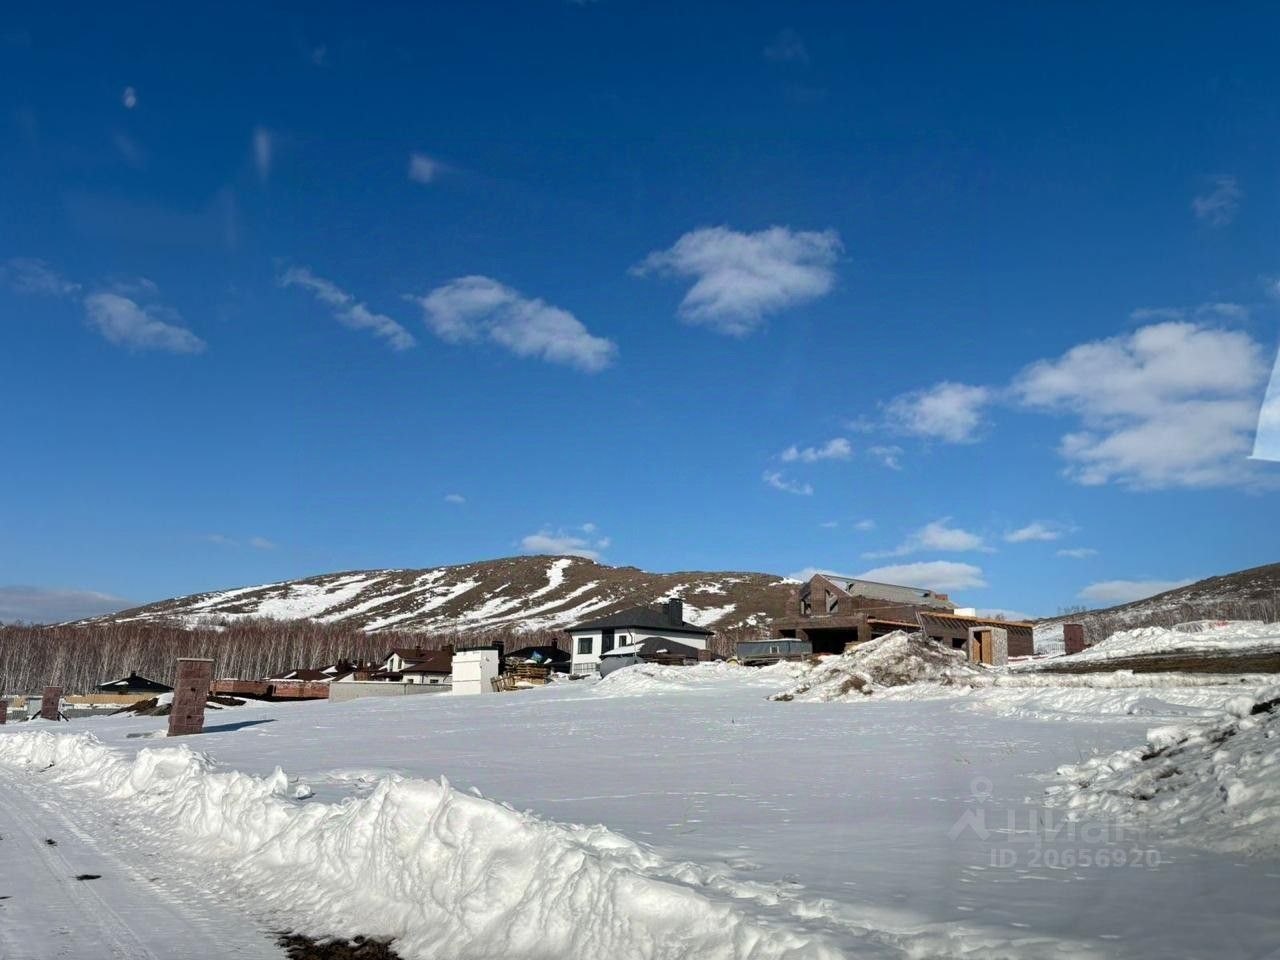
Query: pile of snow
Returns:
{"type": "Point", "coordinates": [645, 679]}
{"type": "Point", "coordinates": [1202, 636]}
{"type": "Point", "coordinates": [1216, 784]}
{"type": "Point", "coordinates": [446, 874]}
{"type": "Point", "coordinates": [894, 660]}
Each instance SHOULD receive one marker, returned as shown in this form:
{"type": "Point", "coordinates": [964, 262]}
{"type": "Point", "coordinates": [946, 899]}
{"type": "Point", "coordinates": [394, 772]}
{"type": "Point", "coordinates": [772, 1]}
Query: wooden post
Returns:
{"type": "Point", "coordinates": [190, 691]}
{"type": "Point", "coordinates": [4, 711]}
{"type": "Point", "coordinates": [1073, 637]}
{"type": "Point", "coordinates": [51, 704]}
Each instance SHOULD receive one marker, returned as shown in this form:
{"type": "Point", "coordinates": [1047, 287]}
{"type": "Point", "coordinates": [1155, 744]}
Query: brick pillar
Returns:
{"type": "Point", "coordinates": [190, 691]}
{"type": "Point", "coordinates": [4, 711]}
{"type": "Point", "coordinates": [51, 705]}
{"type": "Point", "coordinates": [1073, 637]}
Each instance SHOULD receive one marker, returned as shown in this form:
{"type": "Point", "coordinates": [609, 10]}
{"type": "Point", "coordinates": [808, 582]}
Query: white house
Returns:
{"type": "Point", "coordinates": [596, 637]}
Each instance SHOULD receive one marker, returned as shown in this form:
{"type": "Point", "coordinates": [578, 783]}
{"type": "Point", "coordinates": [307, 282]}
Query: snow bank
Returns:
{"type": "Point", "coordinates": [895, 660]}
{"type": "Point", "coordinates": [1215, 785]}
{"type": "Point", "coordinates": [1238, 636]}
{"type": "Point", "coordinates": [655, 678]}
{"type": "Point", "coordinates": [446, 874]}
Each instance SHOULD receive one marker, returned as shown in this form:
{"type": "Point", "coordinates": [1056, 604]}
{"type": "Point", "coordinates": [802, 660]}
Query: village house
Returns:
{"type": "Point", "coordinates": [831, 612]}
{"type": "Point", "coordinates": [593, 638]}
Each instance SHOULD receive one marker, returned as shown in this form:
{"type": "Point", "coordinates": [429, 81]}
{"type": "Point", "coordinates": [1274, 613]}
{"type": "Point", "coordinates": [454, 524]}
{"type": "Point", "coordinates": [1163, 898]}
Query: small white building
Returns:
{"type": "Point", "coordinates": [475, 670]}
{"type": "Point", "coordinates": [593, 638]}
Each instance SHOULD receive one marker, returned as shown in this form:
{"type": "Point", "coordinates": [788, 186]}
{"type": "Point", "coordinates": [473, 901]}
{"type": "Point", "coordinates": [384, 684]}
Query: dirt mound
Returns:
{"type": "Point", "coordinates": [895, 660]}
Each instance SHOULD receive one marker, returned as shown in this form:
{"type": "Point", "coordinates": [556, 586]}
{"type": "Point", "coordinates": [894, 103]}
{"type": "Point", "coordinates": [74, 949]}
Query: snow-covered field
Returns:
{"type": "Point", "coordinates": [659, 813]}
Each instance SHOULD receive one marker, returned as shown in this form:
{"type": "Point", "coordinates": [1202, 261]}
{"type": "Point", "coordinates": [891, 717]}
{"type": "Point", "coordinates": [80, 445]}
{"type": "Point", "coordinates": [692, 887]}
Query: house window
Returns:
{"type": "Point", "coordinates": [806, 608]}
{"type": "Point", "coordinates": [833, 602]}
{"type": "Point", "coordinates": [584, 646]}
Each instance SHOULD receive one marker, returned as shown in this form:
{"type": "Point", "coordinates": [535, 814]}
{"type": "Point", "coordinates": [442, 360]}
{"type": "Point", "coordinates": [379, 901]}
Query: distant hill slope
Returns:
{"type": "Point", "coordinates": [1252, 594]}
{"type": "Point", "coordinates": [537, 592]}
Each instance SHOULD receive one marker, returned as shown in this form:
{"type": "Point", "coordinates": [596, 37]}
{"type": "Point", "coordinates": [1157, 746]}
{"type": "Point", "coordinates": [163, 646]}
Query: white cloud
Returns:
{"type": "Point", "coordinates": [864, 525]}
{"type": "Point", "coordinates": [1126, 591]}
{"type": "Point", "coordinates": [32, 276]}
{"type": "Point", "coordinates": [739, 278]}
{"type": "Point", "coordinates": [424, 169]}
{"type": "Point", "coordinates": [129, 98]}
{"type": "Point", "coordinates": [1078, 553]}
{"type": "Point", "coordinates": [1218, 207]}
{"type": "Point", "coordinates": [837, 448]}
{"type": "Point", "coordinates": [21, 604]}
{"type": "Point", "coordinates": [889, 456]}
{"type": "Point", "coordinates": [938, 535]}
{"type": "Point", "coordinates": [473, 308]}
{"type": "Point", "coordinates": [263, 149]}
{"type": "Point", "coordinates": [454, 498]}
{"type": "Point", "coordinates": [776, 480]}
{"type": "Point", "coordinates": [829, 524]}
{"type": "Point", "coordinates": [940, 575]}
{"type": "Point", "coordinates": [220, 539]}
{"type": "Point", "coordinates": [951, 412]}
{"type": "Point", "coordinates": [1173, 404]}
{"type": "Point", "coordinates": [319, 55]}
{"type": "Point", "coordinates": [1034, 531]}
{"type": "Point", "coordinates": [787, 47]}
{"type": "Point", "coordinates": [262, 543]}
{"type": "Point", "coordinates": [126, 322]}
{"type": "Point", "coordinates": [576, 542]}
{"type": "Point", "coordinates": [347, 310]}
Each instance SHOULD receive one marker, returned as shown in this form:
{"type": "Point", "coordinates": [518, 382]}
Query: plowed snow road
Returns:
{"type": "Point", "coordinates": [136, 909]}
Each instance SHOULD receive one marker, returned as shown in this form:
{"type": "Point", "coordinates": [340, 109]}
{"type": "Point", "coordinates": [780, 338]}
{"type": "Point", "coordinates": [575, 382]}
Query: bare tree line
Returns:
{"type": "Point", "coordinates": [1099, 626]}
{"type": "Point", "coordinates": [81, 657]}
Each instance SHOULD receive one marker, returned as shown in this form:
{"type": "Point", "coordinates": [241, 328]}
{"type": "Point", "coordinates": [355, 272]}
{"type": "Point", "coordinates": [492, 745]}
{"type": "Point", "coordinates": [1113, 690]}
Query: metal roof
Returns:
{"type": "Point", "coordinates": [641, 618]}
{"type": "Point", "coordinates": [888, 591]}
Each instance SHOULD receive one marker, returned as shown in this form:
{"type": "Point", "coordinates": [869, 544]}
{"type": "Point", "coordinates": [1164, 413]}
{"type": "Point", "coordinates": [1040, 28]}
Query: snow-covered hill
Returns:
{"type": "Point", "coordinates": [1252, 594]}
{"type": "Point", "coordinates": [539, 592]}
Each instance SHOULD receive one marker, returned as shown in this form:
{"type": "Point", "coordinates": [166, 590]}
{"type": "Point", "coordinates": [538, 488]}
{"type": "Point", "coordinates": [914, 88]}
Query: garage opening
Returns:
{"type": "Point", "coordinates": [831, 639]}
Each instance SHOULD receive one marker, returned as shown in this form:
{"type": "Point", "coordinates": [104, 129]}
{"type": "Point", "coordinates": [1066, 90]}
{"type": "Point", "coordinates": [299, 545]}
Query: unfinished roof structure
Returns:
{"type": "Point", "coordinates": [831, 610]}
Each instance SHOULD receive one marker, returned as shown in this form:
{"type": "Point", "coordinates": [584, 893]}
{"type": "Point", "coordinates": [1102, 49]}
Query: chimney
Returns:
{"type": "Point", "coordinates": [675, 611]}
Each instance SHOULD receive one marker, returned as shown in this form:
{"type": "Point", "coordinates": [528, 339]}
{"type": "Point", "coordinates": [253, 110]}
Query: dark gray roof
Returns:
{"type": "Point", "coordinates": [890, 592]}
{"type": "Point", "coordinates": [653, 646]}
{"type": "Point", "coordinates": [641, 618]}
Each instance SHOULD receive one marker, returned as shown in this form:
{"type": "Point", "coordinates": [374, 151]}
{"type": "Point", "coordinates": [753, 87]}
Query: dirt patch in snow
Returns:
{"type": "Point", "coordinates": [895, 660]}
{"type": "Point", "coordinates": [298, 946]}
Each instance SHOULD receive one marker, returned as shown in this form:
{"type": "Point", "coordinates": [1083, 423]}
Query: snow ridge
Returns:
{"type": "Point", "coordinates": [445, 873]}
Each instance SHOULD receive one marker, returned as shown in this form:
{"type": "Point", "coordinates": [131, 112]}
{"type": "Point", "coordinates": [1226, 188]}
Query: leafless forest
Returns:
{"type": "Point", "coordinates": [80, 657]}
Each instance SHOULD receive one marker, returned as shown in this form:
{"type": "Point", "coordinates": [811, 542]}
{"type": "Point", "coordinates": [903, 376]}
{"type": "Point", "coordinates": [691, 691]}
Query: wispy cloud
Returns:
{"type": "Point", "coordinates": [1078, 553]}
{"type": "Point", "coordinates": [263, 152]}
{"type": "Point", "coordinates": [864, 525]}
{"type": "Point", "coordinates": [787, 47]}
{"type": "Point", "coordinates": [1173, 404]}
{"type": "Point", "coordinates": [837, 448]}
{"type": "Point", "coordinates": [950, 412]}
{"type": "Point", "coordinates": [129, 98]}
{"type": "Point", "coordinates": [1127, 591]}
{"type": "Point", "coordinates": [1219, 205]}
{"type": "Point", "coordinates": [347, 310]}
{"type": "Point", "coordinates": [740, 278]}
{"type": "Point", "coordinates": [473, 309]}
{"type": "Point", "coordinates": [124, 321]}
{"type": "Point", "coordinates": [940, 575]}
{"type": "Point", "coordinates": [256, 543]}
{"type": "Point", "coordinates": [888, 455]}
{"type": "Point", "coordinates": [776, 480]}
{"type": "Point", "coordinates": [938, 535]}
{"type": "Point", "coordinates": [424, 169]}
{"type": "Point", "coordinates": [581, 541]}
{"type": "Point", "coordinates": [1034, 531]}
{"type": "Point", "coordinates": [454, 498]}
{"type": "Point", "coordinates": [24, 604]}
{"type": "Point", "coordinates": [28, 275]}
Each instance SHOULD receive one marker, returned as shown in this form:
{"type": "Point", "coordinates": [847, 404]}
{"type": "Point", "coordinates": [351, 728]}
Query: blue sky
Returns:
{"type": "Point", "coordinates": [981, 300]}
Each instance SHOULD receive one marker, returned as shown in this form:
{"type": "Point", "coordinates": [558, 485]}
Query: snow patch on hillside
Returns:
{"type": "Point", "coordinates": [447, 874]}
{"type": "Point", "coordinates": [1215, 785]}
{"type": "Point", "coordinates": [1230, 636]}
